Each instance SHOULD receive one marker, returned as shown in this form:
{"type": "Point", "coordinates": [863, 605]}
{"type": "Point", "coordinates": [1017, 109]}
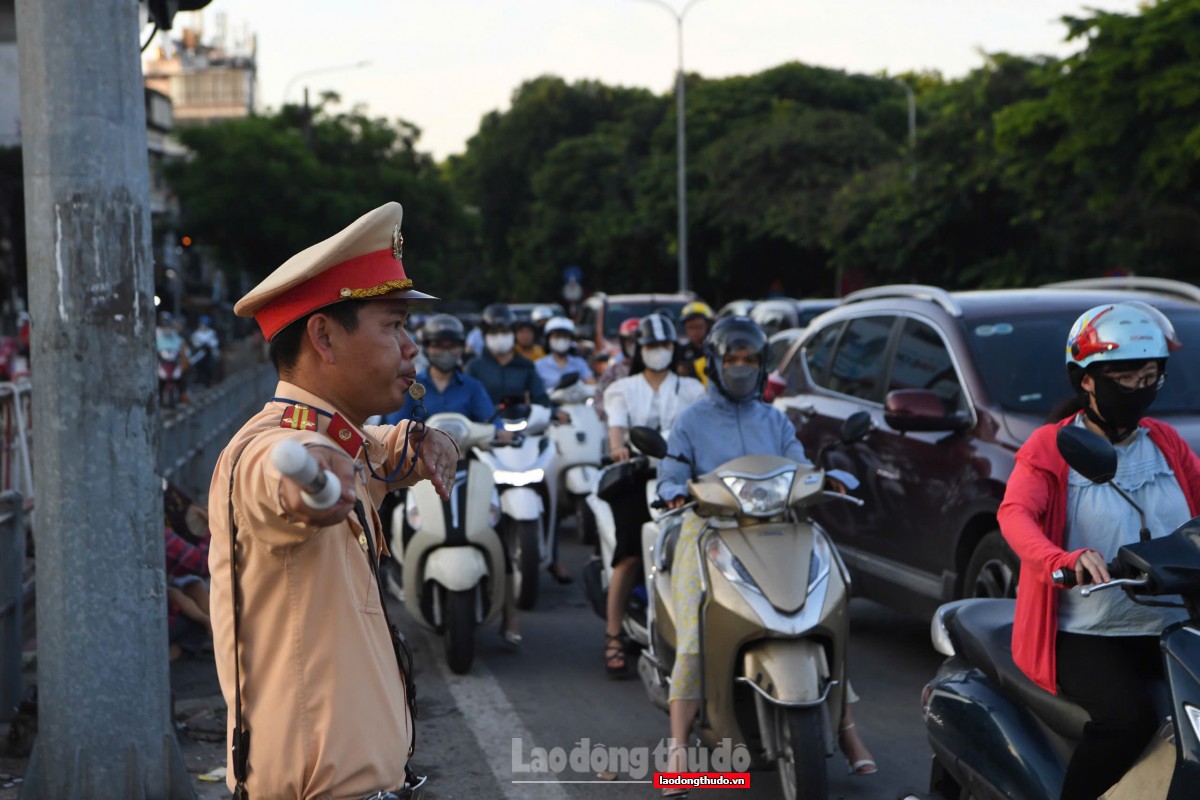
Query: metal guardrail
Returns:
{"type": "Point", "coordinates": [16, 437]}
{"type": "Point", "coordinates": [12, 600]}
{"type": "Point", "coordinates": [193, 437]}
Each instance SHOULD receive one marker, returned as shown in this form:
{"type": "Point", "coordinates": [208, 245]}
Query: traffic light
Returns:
{"type": "Point", "coordinates": [164, 11]}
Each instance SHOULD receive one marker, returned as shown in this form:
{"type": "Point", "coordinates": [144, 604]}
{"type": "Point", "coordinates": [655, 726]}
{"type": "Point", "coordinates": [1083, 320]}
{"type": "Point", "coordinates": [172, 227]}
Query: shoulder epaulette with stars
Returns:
{"type": "Point", "coordinates": [304, 418]}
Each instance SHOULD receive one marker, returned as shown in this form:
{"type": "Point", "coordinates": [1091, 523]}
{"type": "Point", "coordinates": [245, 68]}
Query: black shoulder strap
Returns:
{"type": "Point", "coordinates": [241, 734]}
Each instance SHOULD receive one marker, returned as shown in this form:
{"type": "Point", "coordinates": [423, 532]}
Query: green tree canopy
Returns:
{"type": "Point", "coordinates": [259, 190]}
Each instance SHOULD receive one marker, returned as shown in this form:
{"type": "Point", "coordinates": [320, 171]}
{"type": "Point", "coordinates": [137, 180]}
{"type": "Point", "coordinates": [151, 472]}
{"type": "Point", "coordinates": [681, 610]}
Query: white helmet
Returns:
{"type": "Point", "coordinates": [559, 324]}
{"type": "Point", "coordinates": [1132, 331]}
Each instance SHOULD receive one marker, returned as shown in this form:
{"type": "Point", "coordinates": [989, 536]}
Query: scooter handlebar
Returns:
{"type": "Point", "coordinates": [1066, 577]}
{"type": "Point", "coordinates": [319, 489]}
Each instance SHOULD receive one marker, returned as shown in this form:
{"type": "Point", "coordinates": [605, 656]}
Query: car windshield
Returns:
{"type": "Point", "coordinates": [618, 312]}
{"type": "Point", "coordinates": [1023, 366]}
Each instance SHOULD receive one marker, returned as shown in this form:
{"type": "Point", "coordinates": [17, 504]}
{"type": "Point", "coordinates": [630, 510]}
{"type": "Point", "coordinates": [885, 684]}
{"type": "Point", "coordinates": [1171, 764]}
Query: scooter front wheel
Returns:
{"type": "Point", "coordinates": [460, 630]}
{"type": "Point", "coordinates": [802, 755]}
{"type": "Point", "coordinates": [527, 560]}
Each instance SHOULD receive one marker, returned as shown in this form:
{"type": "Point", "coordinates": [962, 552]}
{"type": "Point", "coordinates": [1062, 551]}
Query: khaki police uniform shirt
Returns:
{"type": "Point", "coordinates": [321, 691]}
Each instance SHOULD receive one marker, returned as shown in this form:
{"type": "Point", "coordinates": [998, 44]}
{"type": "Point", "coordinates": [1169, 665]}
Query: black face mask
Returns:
{"type": "Point", "coordinates": [1120, 409]}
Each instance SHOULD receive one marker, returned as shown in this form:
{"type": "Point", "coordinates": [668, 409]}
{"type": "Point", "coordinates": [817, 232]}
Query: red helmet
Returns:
{"type": "Point", "coordinates": [628, 328]}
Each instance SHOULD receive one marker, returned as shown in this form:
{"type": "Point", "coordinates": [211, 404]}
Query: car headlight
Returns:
{"type": "Point", "coordinates": [822, 557]}
{"type": "Point", "coordinates": [412, 515]}
{"type": "Point", "coordinates": [729, 565]}
{"type": "Point", "coordinates": [506, 477]}
{"type": "Point", "coordinates": [761, 496]}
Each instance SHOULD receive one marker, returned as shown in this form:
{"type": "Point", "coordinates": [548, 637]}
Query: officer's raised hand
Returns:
{"type": "Point", "coordinates": [439, 457]}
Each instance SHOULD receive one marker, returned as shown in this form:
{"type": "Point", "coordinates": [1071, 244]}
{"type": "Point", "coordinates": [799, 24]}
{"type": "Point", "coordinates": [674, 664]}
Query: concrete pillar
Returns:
{"type": "Point", "coordinates": [104, 728]}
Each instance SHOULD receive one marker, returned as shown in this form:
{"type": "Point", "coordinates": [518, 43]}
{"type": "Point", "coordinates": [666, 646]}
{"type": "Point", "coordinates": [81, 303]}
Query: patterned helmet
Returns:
{"type": "Point", "coordinates": [1131, 331]}
{"type": "Point", "coordinates": [628, 328]}
{"type": "Point", "coordinates": [655, 328]}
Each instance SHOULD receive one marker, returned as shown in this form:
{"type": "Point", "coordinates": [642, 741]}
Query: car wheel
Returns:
{"type": "Point", "coordinates": [993, 569]}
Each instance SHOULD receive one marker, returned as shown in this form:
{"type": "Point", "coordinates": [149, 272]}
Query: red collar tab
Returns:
{"type": "Point", "coordinates": [299, 418]}
{"type": "Point", "coordinates": [344, 434]}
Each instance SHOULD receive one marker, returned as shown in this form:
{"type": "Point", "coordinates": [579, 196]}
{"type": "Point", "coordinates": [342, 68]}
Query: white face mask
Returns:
{"type": "Point", "coordinates": [499, 343]}
{"type": "Point", "coordinates": [560, 344]}
{"type": "Point", "coordinates": [657, 359]}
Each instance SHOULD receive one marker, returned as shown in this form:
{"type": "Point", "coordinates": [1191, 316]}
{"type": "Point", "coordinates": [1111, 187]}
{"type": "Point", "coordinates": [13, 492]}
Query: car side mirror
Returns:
{"type": "Point", "coordinates": [648, 441]}
{"type": "Point", "coordinates": [856, 427]}
{"type": "Point", "coordinates": [920, 410]}
{"type": "Point", "coordinates": [1088, 453]}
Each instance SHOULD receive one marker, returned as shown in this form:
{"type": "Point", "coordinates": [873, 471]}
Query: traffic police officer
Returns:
{"type": "Point", "coordinates": [307, 666]}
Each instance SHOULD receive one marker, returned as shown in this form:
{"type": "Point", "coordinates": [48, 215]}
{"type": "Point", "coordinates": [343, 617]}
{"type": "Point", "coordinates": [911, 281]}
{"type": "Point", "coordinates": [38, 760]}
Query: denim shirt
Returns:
{"type": "Point", "coordinates": [516, 378]}
{"type": "Point", "coordinates": [714, 430]}
{"type": "Point", "coordinates": [464, 395]}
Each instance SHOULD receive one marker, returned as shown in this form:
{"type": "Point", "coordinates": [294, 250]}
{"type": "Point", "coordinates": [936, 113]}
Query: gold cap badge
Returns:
{"type": "Point", "coordinates": [397, 243]}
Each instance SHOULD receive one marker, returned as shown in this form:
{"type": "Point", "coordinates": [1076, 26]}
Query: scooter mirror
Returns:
{"type": "Point", "coordinates": [567, 381]}
{"type": "Point", "coordinates": [1089, 454]}
{"type": "Point", "coordinates": [648, 441]}
{"type": "Point", "coordinates": [856, 427]}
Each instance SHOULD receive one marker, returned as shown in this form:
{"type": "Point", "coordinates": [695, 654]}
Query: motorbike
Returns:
{"type": "Point", "coordinates": [450, 554]}
{"type": "Point", "coordinates": [614, 480]}
{"type": "Point", "coordinates": [772, 664]}
{"type": "Point", "coordinates": [995, 734]}
{"type": "Point", "coordinates": [525, 473]}
{"type": "Point", "coordinates": [170, 370]}
{"type": "Point", "coordinates": [580, 445]}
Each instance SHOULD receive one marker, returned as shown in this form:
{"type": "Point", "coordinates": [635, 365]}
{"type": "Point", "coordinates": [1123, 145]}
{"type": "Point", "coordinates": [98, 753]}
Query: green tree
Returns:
{"type": "Point", "coordinates": [259, 190]}
{"type": "Point", "coordinates": [1108, 159]}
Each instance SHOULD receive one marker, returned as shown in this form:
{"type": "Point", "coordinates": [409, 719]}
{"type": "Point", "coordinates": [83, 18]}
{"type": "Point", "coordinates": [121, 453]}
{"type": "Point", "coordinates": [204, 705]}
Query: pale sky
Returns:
{"type": "Point", "coordinates": [443, 64]}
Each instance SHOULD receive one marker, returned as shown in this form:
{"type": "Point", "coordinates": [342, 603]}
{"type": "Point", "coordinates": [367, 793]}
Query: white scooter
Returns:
{"type": "Point", "coordinates": [580, 444]}
{"type": "Point", "coordinates": [525, 472]}
{"type": "Point", "coordinates": [453, 562]}
{"type": "Point", "coordinates": [614, 481]}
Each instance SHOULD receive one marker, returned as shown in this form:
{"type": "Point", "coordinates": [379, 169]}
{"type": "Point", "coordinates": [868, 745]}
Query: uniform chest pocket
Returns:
{"type": "Point", "coordinates": [358, 571]}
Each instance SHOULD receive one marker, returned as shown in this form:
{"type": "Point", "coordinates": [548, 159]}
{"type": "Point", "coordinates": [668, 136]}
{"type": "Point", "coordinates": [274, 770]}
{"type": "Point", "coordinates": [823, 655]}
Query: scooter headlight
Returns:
{"type": "Point", "coordinates": [761, 496]}
{"type": "Point", "coordinates": [729, 565]}
{"type": "Point", "coordinates": [506, 477]}
{"type": "Point", "coordinates": [412, 515]}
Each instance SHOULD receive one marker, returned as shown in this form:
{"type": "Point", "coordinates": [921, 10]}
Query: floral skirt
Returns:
{"type": "Point", "coordinates": [686, 595]}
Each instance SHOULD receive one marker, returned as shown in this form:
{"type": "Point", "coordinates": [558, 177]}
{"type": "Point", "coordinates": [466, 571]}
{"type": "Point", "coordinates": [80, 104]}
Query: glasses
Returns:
{"type": "Point", "coordinates": [1142, 379]}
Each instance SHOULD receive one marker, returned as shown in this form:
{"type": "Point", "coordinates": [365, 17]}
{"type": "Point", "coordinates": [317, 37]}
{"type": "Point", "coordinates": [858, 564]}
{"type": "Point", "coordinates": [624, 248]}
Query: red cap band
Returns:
{"type": "Point", "coordinates": [370, 275]}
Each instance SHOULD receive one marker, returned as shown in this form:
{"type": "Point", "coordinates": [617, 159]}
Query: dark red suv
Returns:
{"type": "Point", "coordinates": [954, 383]}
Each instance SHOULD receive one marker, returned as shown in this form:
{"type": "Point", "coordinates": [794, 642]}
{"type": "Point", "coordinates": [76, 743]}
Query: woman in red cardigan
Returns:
{"type": "Point", "coordinates": [1100, 651]}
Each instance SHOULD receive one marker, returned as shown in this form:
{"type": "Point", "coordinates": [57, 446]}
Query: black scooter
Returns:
{"type": "Point", "coordinates": [994, 733]}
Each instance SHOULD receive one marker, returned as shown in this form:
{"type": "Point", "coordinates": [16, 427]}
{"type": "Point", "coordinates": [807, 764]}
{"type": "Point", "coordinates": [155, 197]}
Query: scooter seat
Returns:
{"type": "Point", "coordinates": [982, 631]}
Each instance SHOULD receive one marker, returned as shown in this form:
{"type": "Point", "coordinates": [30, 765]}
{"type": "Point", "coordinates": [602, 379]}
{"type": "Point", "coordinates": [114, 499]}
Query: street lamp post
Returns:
{"type": "Point", "coordinates": [680, 139]}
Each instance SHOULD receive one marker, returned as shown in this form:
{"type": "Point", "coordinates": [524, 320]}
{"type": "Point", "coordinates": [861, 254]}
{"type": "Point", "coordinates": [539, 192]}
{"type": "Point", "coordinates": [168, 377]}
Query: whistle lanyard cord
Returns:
{"type": "Point", "coordinates": [409, 465]}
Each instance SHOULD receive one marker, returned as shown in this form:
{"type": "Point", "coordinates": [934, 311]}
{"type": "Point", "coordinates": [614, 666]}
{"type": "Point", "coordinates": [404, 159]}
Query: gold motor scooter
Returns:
{"type": "Point", "coordinates": [773, 612]}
